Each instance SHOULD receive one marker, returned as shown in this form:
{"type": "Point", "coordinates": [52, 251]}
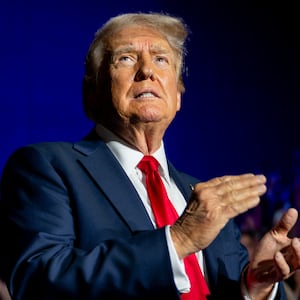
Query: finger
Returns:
{"type": "Point", "coordinates": [236, 193]}
{"type": "Point", "coordinates": [236, 208]}
{"type": "Point", "coordinates": [286, 222]}
{"type": "Point", "coordinates": [243, 182]}
{"type": "Point", "coordinates": [241, 188]}
{"type": "Point", "coordinates": [220, 180]}
{"type": "Point", "coordinates": [282, 266]}
{"type": "Point", "coordinates": [293, 258]}
{"type": "Point", "coordinates": [245, 194]}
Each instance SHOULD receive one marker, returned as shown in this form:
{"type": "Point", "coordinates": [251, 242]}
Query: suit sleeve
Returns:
{"type": "Point", "coordinates": [39, 252]}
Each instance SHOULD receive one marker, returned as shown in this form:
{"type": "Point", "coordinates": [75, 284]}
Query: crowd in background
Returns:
{"type": "Point", "coordinates": [283, 192]}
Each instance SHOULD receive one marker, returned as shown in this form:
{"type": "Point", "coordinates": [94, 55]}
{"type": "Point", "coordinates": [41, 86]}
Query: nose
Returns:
{"type": "Point", "coordinates": [145, 71]}
{"type": "Point", "coordinates": [144, 74]}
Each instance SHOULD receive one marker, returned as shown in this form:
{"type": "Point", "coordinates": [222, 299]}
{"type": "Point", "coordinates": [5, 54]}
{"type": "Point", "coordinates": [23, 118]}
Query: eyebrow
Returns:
{"type": "Point", "coordinates": [131, 48]}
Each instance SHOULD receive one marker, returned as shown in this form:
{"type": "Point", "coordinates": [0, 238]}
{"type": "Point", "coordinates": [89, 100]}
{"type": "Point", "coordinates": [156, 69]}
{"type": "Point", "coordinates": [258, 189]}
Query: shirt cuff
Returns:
{"type": "Point", "coordinates": [245, 293]}
{"type": "Point", "coordinates": [181, 279]}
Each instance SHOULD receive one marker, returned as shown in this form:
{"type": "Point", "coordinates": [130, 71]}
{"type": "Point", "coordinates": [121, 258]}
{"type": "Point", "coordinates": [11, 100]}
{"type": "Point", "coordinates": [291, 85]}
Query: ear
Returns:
{"type": "Point", "coordinates": [178, 101]}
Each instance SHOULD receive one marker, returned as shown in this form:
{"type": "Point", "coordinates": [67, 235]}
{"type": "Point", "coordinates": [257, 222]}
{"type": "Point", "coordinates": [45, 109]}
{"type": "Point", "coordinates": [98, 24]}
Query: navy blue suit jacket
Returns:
{"type": "Point", "coordinates": [74, 227]}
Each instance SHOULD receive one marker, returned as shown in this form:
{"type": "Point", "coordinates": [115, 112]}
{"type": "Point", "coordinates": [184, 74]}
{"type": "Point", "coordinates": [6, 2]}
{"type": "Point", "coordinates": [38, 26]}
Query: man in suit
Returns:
{"type": "Point", "coordinates": [77, 221]}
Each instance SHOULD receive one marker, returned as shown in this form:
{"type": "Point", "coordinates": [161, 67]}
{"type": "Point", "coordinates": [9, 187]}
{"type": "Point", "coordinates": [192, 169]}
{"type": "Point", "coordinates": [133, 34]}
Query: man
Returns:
{"type": "Point", "coordinates": [78, 220]}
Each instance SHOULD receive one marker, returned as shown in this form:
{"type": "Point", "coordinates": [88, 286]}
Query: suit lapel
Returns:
{"type": "Point", "coordinates": [102, 166]}
{"type": "Point", "coordinates": [184, 183]}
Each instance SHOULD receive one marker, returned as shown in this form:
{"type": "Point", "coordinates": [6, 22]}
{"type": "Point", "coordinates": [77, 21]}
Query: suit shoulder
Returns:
{"type": "Point", "coordinates": [32, 153]}
{"type": "Point", "coordinates": [44, 147]}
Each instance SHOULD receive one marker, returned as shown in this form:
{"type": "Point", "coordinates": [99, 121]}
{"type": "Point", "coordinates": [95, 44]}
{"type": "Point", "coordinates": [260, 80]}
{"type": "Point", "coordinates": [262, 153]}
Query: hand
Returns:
{"type": "Point", "coordinates": [211, 205]}
{"type": "Point", "coordinates": [276, 257]}
{"type": "Point", "coordinates": [4, 294]}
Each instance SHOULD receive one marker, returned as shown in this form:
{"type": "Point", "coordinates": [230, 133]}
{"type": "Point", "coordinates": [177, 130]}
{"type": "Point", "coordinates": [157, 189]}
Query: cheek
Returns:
{"type": "Point", "coordinates": [119, 90]}
{"type": "Point", "coordinates": [171, 82]}
{"type": "Point", "coordinates": [120, 84]}
{"type": "Point", "coordinates": [173, 89]}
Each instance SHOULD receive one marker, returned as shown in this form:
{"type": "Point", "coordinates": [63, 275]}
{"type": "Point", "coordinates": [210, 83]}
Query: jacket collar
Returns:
{"type": "Point", "coordinates": [113, 181]}
{"type": "Point", "coordinates": [102, 166]}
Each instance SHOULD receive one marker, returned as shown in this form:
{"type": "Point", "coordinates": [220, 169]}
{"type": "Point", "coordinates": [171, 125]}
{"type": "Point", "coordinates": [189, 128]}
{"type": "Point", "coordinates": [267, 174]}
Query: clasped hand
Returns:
{"type": "Point", "coordinates": [213, 204]}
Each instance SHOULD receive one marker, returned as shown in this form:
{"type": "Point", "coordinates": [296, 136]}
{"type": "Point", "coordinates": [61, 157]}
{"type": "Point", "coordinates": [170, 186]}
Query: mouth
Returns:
{"type": "Point", "coordinates": [146, 94]}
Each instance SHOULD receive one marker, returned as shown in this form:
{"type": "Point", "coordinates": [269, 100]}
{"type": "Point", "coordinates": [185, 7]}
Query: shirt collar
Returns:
{"type": "Point", "coordinates": [129, 157]}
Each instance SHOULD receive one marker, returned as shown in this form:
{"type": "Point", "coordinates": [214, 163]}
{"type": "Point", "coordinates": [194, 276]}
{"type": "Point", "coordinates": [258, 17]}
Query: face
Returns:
{"type": "Point", "coordinates": [144, 81]}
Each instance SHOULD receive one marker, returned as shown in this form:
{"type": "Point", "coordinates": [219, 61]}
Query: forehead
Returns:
{"type": "Point", "coordinates": [139, 38]}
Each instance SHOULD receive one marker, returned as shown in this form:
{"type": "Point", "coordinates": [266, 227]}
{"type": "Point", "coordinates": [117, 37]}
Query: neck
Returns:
{"type": "Point", "coordinates": [146, 141]}
{"type": "Point", "coordinates": [145, 138]}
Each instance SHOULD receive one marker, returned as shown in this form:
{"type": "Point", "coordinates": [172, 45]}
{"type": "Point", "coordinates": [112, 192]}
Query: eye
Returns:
{"type": "Point", "coordinates": [126, 60]}
{"type": "Point", "coordinates": [162, 60]}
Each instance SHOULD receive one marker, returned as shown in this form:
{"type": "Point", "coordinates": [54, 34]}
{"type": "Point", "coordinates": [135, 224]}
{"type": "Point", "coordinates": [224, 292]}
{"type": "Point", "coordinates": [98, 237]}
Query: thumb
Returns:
{"type": "Point", "coordinates": [286, 222]}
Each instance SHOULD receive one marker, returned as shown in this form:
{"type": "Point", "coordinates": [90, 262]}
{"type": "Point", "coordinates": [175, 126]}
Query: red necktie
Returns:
{"type": "Point", "coordinates": [165, 214]}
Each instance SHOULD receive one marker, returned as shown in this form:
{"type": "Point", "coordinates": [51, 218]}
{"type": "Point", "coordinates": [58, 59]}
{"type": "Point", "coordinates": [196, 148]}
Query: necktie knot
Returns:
{"type": "Point", "coordinates": [148, 164]}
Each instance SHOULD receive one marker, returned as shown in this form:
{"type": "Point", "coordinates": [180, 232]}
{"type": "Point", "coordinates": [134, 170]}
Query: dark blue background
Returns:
{"type": "Point", "coordinates": [240, 112]}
